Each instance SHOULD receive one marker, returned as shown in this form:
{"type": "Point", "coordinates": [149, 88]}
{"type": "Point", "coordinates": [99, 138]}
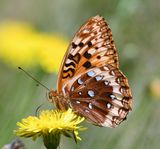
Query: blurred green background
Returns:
{"type": "Point", "coordinates": [136, 30]}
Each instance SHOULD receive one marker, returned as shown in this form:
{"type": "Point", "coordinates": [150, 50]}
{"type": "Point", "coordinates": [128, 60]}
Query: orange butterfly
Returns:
{"type": "Point", "coordinates": [89, 79]}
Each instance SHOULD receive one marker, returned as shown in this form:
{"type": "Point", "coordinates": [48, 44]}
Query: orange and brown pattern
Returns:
{"type": "Point", "coordinates": [89, 80]}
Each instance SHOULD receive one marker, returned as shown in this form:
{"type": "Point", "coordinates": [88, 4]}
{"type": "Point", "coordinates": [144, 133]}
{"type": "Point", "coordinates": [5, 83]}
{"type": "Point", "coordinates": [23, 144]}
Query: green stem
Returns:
{"type": "Point", "coordinates": [51, 141]}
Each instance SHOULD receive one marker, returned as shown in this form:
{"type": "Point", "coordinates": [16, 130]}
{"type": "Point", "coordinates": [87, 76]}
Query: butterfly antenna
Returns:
{"type": "Point", "coordinates": [34, 78]}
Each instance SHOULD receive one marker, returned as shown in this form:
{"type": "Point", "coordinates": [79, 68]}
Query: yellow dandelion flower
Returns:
{"type": "Point", "coordinates": [22, 45]}
{"type": "Point", "coordinates": [49, 125]}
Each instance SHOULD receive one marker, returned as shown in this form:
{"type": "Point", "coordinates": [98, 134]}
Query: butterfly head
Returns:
{"type": "Point", "coordinates": [58, 100]}
{"type": "Point", "coordinates": [52, 95]}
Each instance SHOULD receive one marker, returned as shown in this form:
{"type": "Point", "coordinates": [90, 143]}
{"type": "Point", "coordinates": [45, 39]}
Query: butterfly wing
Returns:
{"type": "Point", "coordinates": [91, 46]}
{"type": "Point", "coordinates": [90, 79]}
{"type": "Point", "coordinates": [102, 95]}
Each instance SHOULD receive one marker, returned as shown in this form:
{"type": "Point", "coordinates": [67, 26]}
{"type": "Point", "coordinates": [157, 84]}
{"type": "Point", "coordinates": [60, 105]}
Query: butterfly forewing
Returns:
{"type": "Point", "coordinates": [89, 80]}
{"type": "Point", "coordinates": [91, 46]}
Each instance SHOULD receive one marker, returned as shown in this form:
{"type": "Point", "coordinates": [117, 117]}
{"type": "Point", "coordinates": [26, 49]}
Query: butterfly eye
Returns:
{"type": "Point", "coordinates": [50, 95]}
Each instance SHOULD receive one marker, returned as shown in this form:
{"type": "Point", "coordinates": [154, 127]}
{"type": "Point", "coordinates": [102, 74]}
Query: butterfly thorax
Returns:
{"type": "Point", "coordinates": [59, 100]}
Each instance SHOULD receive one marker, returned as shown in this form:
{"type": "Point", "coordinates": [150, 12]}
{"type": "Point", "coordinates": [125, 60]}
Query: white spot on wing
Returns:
{"type": "Point", "coordinates": [78, 102]}
{"type": "Point", "coordinates": [74, 51]}
{"type": "Point", "coordinates": [91, 93]}
{"type": "Point", "coordinates": [91, 73]}
{"type": "Point", "coordinates": [98, 78]}
{"type": "Point", "coordinates": [93, 41]}
{"type": "Point", "coordinates": [92, 34]}
{"type": "Point", "coordinates": [106, 82]}
{"type": "Point", "coordinates": [91, 51]}
{"type": "Point", "coordinates": [80, 93]}
{"type": "Point", "coordinates": [112, 96]}
{"type": "Point", "coordinates": [118, 80]}
{"type": "Point", "coordinates": [85, 31]}
{"type": "Point", "coordinates": [108, 105]}
{"type": "Point", "coordinates": [72, 88]}
{"type": "Point", "coordinates": [68, 61]}
{"type": "Point", "coordinates": [80, 81]}
{"type": "Point", "coordinates": [112, 73]}
{"type": "Point", "coordinates": [102, 49]}
{"type": "Point", "coordinates": [100, 40]}
{"type": "Point", "coordinates": [90, 106]}
{"type": "Point", "coordinates": [77, 40]}
{"type": "Point", "coordinates": [118, 96]}
{"type": "Point", "coordinates": [100, 44]}
{"type": "Point", "coordinates": [106, 68]}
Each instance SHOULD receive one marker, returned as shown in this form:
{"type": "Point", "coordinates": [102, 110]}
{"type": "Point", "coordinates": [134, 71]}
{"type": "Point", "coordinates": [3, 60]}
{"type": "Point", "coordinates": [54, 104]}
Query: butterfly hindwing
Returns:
{"type": "Point", "coordinates": [102, 95]}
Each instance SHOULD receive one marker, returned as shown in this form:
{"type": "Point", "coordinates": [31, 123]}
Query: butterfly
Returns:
{"type": "Point", "coordinates": [89, 80]}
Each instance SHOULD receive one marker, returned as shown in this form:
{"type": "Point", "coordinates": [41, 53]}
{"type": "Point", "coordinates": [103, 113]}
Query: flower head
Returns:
{"type": "Point", "coordinates": [54, 122]}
